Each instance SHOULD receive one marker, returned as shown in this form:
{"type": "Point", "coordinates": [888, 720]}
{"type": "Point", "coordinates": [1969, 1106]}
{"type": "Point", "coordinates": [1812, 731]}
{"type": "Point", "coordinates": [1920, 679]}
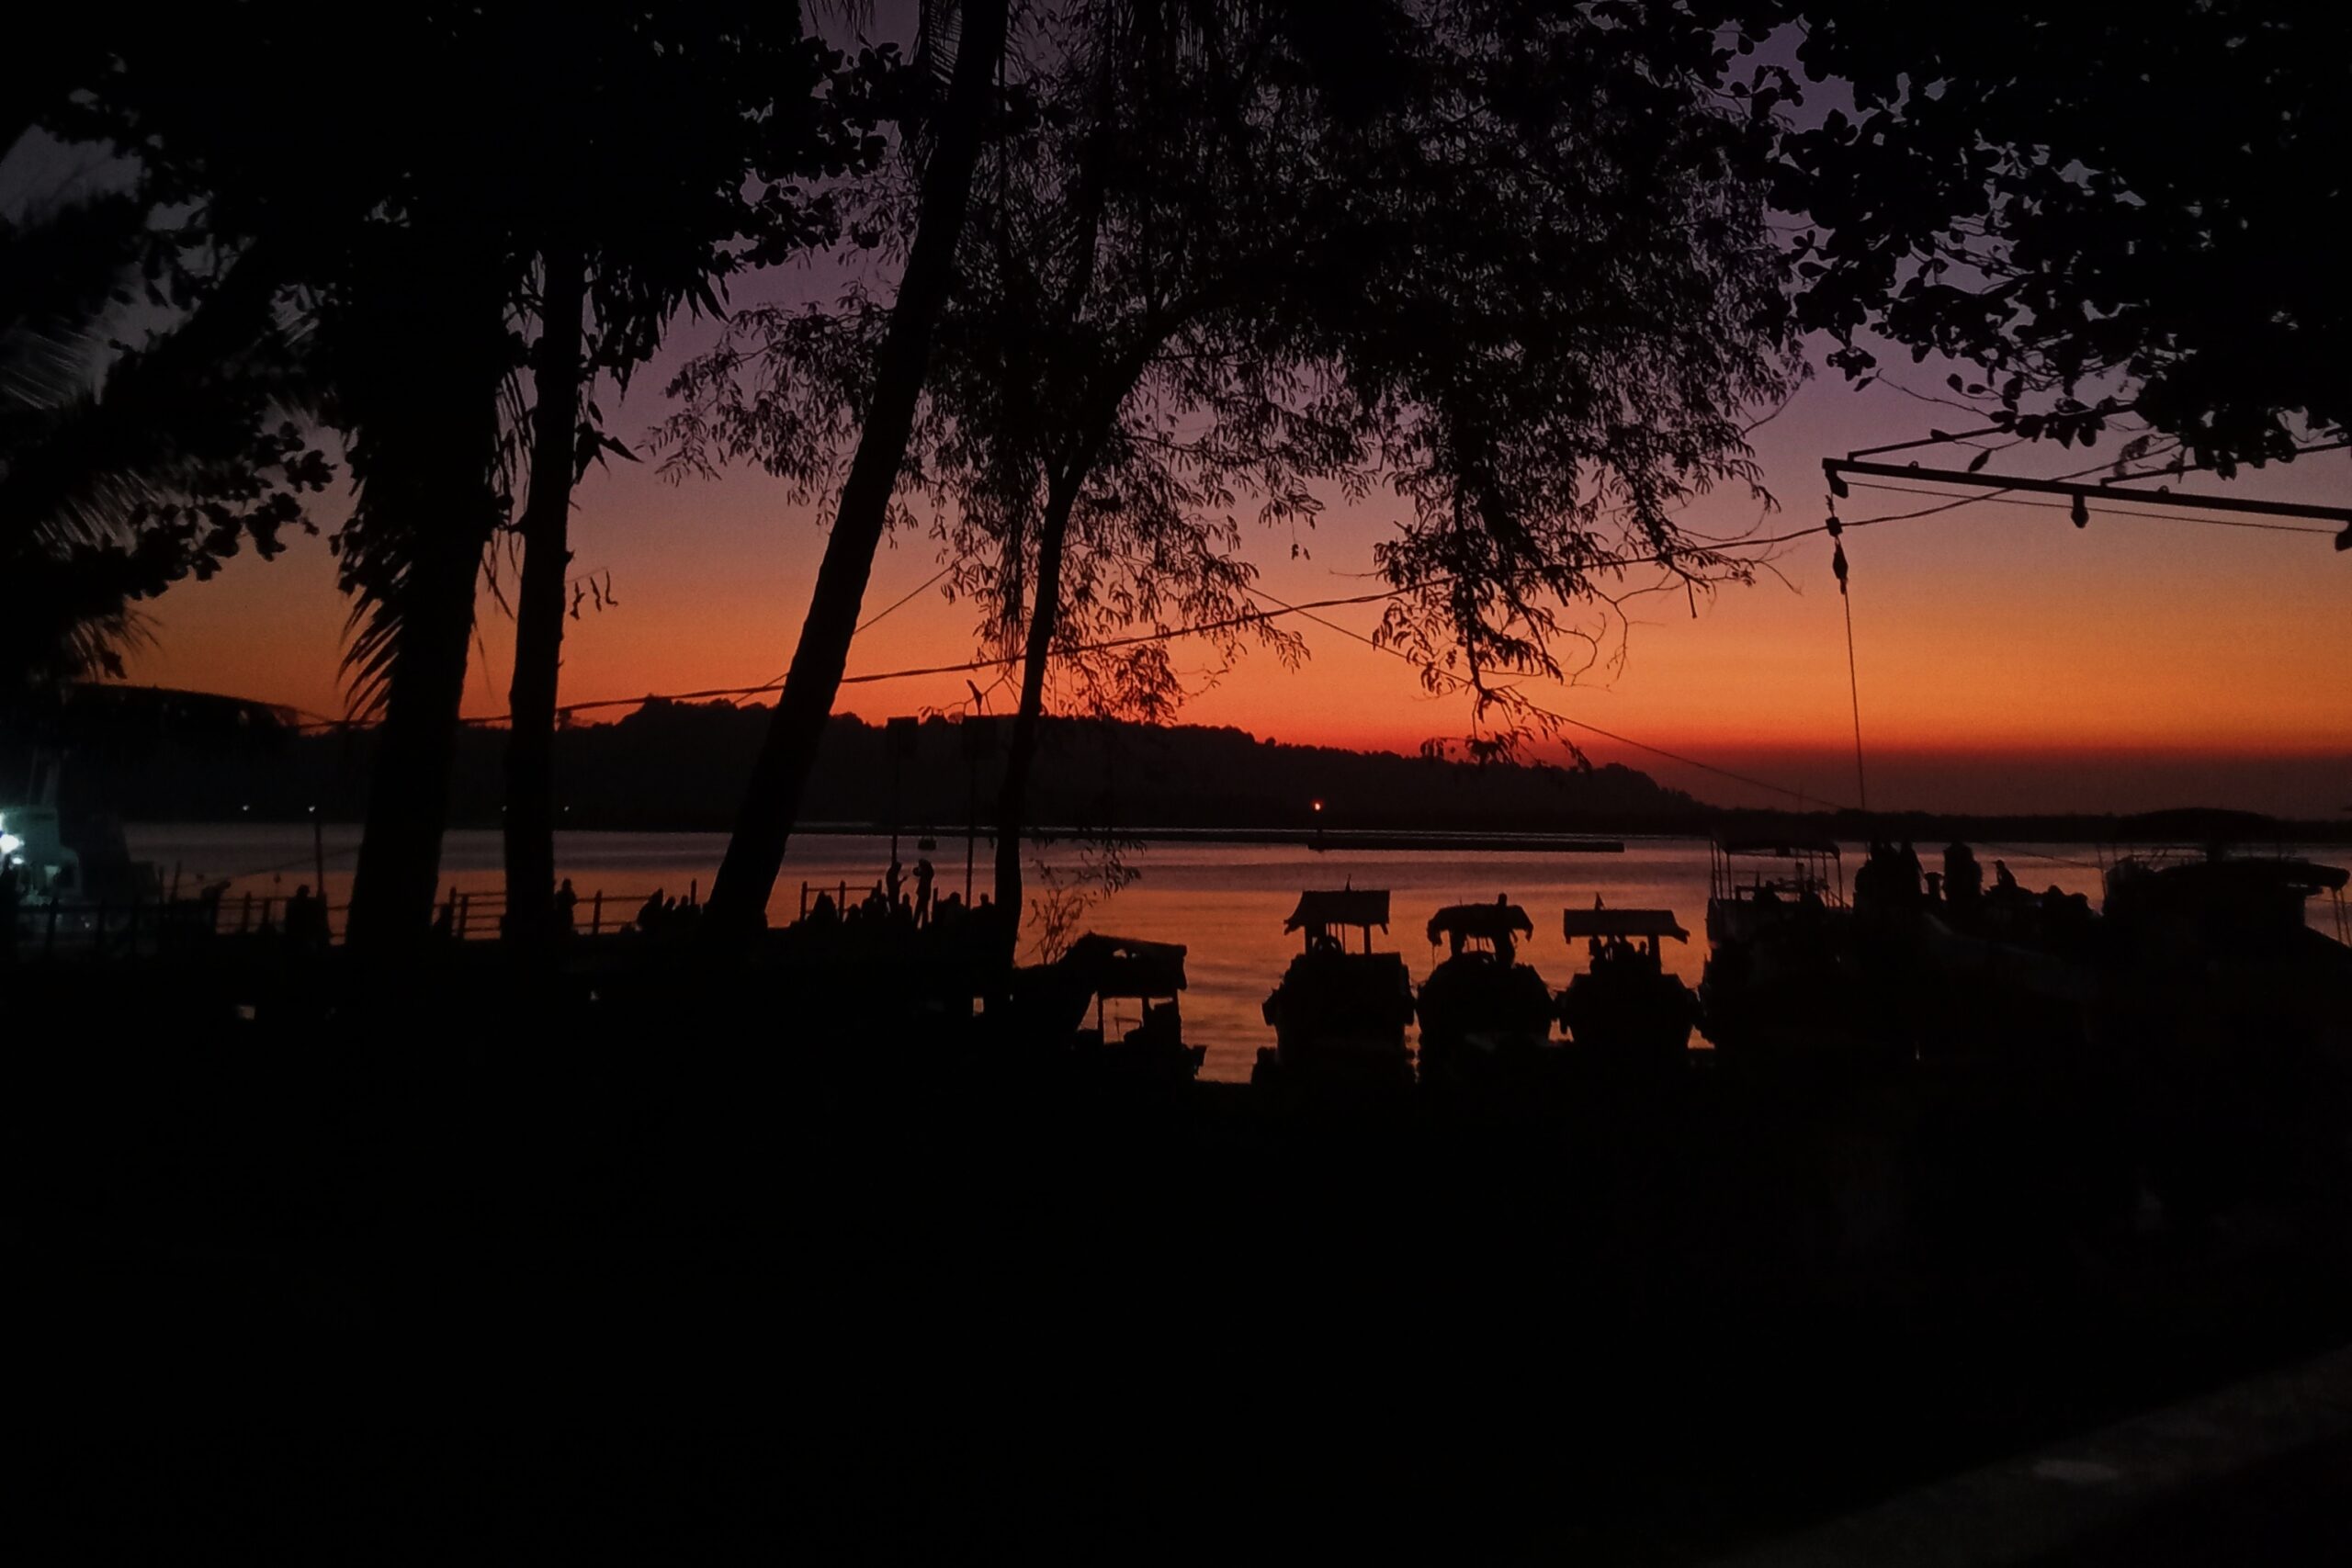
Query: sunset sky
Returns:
{"type": "Point", "coordinates": [2006, 660]}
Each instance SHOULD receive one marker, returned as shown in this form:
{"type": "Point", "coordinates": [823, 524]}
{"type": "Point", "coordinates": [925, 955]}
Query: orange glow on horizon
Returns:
{"type": "Point", "coordinates": [1993, 632]}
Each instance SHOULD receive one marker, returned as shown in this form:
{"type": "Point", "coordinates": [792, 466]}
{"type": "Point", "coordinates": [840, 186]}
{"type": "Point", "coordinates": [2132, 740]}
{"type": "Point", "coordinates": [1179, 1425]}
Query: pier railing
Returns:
{"type": "Point", "coordinates": [102, 928]}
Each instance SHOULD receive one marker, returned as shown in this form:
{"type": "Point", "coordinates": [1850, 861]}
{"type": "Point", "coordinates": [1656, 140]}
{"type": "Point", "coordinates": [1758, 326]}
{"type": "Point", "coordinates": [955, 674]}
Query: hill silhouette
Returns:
{"type": "Point", "coordinates": [678, 766]}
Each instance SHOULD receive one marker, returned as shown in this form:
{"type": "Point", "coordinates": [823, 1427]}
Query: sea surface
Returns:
{"type": "Point", "coordinates": [1225, 903]}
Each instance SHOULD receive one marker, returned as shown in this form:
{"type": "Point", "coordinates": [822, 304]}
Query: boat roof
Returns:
{"type": "Point", "coordinates": [1785, 847]}
{"type": "Point", "coordinates": [2302, 875]}
{"type": "Point", "coordinates": [1126, 966]}
{"type": "Point", "coordinates": [1621, 923]}
{"type": "Point", "coordinates": [1342, 907]}
{"type": "Point", "coordinates": [1495, 919]}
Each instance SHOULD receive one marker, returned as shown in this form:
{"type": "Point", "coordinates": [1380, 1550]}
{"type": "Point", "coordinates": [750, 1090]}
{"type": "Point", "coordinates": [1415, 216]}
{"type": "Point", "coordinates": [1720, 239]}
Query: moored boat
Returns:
{"type": "Point", "coordinates": [1481, 1009]}
{"type": "Point", "coordinates": [1339, 1015]}
{"type": "Point", "coordinates": [1625, 1008]}
{"type": "Point", "coordinates": [1150, 975]}
{"type": "Point", "coordinates": [1780, 980]}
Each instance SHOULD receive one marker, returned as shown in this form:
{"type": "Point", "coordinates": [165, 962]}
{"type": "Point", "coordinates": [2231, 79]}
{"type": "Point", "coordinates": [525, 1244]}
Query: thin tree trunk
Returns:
{"type": "Point", "coordinates": [430, 483]}
{"type": "Point", "coordinates": [1012, 794]}
{"type": "Point", "coordinates": [408, 791]}
{"type": "Point", "coordinates": [538, 607]}
{"type": "Point", "coordinates": [747, 876]}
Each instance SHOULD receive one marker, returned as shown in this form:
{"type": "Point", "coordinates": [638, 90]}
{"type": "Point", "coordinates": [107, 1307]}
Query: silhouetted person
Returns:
{"type": "Point", "coordinates": [1964, 878]}
{"type": "Point", "coordinates": [1505, 952]}
{"type": "Point", "coordinates": [924, 876]}
{"type": "Point", "coordinates": [649, 914]}
{"type": "Point", "coordinates": [892, 880]}
{"type": "Point", "coordinates": [1934, 888]}
{"type": "Point", "coordinates": [1909, 885]}
{"type": "Point", "coordinates": [567, 909]}
{"type": "Point", "coordinates": [2004, 879]}
{"type": "Point", "coordinates": [306, 920]}
{"type": "Point", "coordinates": [824, 912]}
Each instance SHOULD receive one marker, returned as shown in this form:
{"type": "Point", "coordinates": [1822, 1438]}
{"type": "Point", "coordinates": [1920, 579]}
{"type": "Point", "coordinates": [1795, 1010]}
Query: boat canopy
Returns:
{"type": "Point", "coordinates": [2253, 872]}
{"type": "Point", "coordinates": [1124, 966]}
{"type": "Point", "coordinates": [1345, 906]}
{"type": "Point", "coordinates": [1490, 921]}
{"type": "Point", "coordinates": [1787, 847]}
{"type": "Point", "coordinates": [1621, 923]}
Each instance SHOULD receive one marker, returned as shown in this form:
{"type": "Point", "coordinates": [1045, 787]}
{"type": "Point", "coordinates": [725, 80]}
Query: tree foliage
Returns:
{"type": "Point", "coordinates": [1509, 261]}
{"type": "Point", "coordinates": [2100, 207]}
{"type": "Point", "coordinates": [125, 468]}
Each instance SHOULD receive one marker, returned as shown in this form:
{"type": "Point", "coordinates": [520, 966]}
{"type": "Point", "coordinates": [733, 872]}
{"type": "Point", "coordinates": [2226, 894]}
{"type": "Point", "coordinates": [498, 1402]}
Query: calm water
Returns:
{"type": "Point", "coordinates": [1225, 903]}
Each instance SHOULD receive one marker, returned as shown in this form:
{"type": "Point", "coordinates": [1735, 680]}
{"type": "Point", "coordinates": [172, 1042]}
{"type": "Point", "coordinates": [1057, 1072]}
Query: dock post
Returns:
{"type": "Point", "coordinates": [596, 914]}
{"type": "Point", "coordinates": [465, 915]}
{"type": "Point", "coordinates": [245, 915]}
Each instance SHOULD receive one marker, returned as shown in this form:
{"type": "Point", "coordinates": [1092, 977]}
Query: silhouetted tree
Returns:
{"type": "Point", "coordinates": [126, 469]}
{"type": "Point", "coordinates": [1275, 251]}
{"type": "Point", "coordinates": [1567, 308]}
{"type": "Point", "coordinates": [412, 245]}
{"type": "Point", "coordinates": [707, 116]}
{"type": "Point", "coordinates": [2101, 208]}
{"type": "Point", "coordinates": [755, 851]}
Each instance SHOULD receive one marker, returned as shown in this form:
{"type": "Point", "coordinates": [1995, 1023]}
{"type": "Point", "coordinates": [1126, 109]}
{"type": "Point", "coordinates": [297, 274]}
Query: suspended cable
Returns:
{"type": "Point", "coordinates": [2104, 511]}
{"type": "Point", "coordinates": [972, 666]}
{"type": "Point", "coordinates": [1766, 784]}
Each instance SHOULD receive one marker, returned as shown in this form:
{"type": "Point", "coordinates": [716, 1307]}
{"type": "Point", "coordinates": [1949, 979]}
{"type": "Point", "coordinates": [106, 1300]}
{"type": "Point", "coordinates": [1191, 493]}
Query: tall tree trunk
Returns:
{"type": "Point", "coordinates": [747, 876]}
{"type": "Point", "coordinates": [1012, 794]}
{"type": "Point", "coordinates": [408, 789]}
{"type": "Point", "coordinates": [430, 484]}
{"type": "Point", "coordinates": [538, 606]}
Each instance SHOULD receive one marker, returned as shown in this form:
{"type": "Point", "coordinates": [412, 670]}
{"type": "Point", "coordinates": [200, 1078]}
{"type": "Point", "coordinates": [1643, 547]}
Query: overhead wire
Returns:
{"type": "Point", "coordinates": [900, 602]}
{"type": "Point", "coordinates": [1687, 761]}
{"type": "Point", "coordinates": [1384, 595]}
{"type": "Point", "coordinates": [1169, 633]}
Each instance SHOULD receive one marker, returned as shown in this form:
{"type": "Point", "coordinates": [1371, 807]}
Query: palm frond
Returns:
{"type": "Point", "coordinates": [123, 469]}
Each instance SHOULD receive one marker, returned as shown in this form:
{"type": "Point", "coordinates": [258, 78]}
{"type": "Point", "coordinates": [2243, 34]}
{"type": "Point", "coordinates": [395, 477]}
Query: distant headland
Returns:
{"type": "Point", "coordinates": [676, 767]}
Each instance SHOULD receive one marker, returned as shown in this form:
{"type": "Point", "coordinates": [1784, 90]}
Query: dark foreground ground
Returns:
{"type": "Point", "coordinates": [444, 1278]}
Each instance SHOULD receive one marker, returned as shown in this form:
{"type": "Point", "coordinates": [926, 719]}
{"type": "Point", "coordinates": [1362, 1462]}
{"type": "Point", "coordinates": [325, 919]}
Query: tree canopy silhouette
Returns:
{"type": "Point", "coordinates": [648, 153]}
{"type": "Point", "coordinates": [676, 115]}
{"type": "Point", "coordinates": [127, 467]}
{"type": "Point", "coordinates": [1274, 258]}
{"type": "Point", "coordinates": [2096, 206]}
